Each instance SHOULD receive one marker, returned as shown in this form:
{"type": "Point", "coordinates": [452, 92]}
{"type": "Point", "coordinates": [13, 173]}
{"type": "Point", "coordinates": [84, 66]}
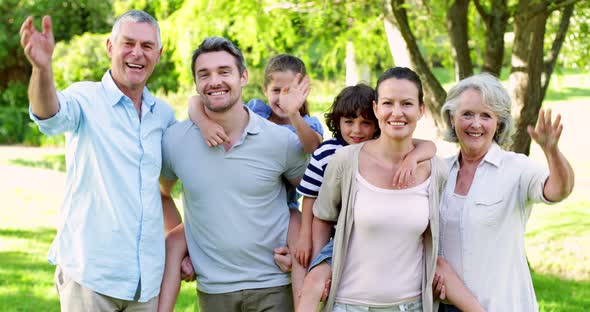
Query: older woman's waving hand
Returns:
{"type": "Point", "coordinates": [561, 175]}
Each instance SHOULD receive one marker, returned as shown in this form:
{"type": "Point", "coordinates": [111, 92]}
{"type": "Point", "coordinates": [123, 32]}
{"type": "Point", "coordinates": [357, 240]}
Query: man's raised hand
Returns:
{"type": "Point", "coordinates": [38, 46]}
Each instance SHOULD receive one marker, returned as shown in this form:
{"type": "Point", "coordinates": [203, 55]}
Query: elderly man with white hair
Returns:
{"type": "Point", "coordinates": [109, 248]}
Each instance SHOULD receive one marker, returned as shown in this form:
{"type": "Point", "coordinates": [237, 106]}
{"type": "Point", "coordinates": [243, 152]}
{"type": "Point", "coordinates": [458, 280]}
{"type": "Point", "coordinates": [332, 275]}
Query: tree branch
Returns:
{"type": "Point", "coordinates": [458, 30]}
{"type": "Point", "coordinates": [554, 6]}
{"type": "Point", "coordinates": [564, 23]}
{"type": "Point", "coordinates": [536, 8]}
{"type": "Point", "coordinates": [434, 92]}
{"type": "Point", "coordinates": [482, 11]}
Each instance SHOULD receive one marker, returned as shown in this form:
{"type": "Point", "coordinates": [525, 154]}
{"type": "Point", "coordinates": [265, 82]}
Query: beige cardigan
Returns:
{"type": "Point", "coordinates": [339, 190]}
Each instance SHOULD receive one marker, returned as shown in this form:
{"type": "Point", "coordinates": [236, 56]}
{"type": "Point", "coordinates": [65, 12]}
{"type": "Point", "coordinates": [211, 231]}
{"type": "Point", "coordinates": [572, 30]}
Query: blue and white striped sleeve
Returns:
{"type": "Point", "coordinates": [314, 174]}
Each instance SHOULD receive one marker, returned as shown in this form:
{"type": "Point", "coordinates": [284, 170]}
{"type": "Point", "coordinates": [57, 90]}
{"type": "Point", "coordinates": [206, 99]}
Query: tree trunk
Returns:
{"type": "Point", "coordinates": [397, 45]}
{"type": "Point", "coordinates": [496, 23]}
{"type": "Point", "coordinates": [458, 33]}
{"type": "Point", "coordinates": [434, 94]}
{"type": "Point", "coordinates": [352, 72]}
{"type": "Point", "coordinates": [365, 73]}
{"type": "Point", "coordinates": [527, 69]}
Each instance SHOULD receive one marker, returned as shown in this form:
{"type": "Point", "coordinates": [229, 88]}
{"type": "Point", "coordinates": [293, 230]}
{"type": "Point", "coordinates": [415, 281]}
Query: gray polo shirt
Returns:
{"type": "Point", "coordinates": [235, 207]}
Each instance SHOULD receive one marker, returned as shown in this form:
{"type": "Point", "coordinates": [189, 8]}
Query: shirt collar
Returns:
{"type": "Point", "coordinates": [254, 122]}
{"type": "Point", "coordinates": [115, 94]}
{"type": "Point", "coordinates": [493, 156]}
{"type": "Point", "coordinates": [341, 140]}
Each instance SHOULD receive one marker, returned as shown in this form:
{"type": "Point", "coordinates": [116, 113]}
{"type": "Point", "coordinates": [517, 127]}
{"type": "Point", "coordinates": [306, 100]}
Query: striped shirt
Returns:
{"type": "Point", "coordinates": [314, 174]}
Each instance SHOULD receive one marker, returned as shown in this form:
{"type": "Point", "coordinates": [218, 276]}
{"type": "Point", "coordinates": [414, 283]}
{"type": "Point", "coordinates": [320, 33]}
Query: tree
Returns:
{"type": "Point", "coordinates": [69, 18]}
{"type": "Point", "coordinates": [530, 71]}
{"type": "Point", "coordinates": [434, 94]}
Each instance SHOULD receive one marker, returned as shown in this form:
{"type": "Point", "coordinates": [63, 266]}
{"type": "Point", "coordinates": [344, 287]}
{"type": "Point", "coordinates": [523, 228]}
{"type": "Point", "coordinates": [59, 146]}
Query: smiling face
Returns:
{"type": "Point", "coordinates": [278, 80]}
{"type": "Point", "coordinates": [398, 108]}
{"type": "Point", "coordinates": [475, 123]}
{"type": "Point", "coordinates": [134, 54]}
{"type": "Point", "coordinates": [356, 130]}
{"type": "Point", "coordinates": [219, 81]}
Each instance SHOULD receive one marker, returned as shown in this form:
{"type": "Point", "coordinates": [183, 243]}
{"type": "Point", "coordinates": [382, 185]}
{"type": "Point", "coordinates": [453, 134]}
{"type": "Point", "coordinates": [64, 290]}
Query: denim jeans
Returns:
{"type": "Point", "coordinates": [414, 306]}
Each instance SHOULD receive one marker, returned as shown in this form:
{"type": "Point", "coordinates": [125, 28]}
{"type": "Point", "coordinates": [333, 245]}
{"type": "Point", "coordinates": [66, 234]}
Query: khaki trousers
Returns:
{"type": "Point", "coordinates": [272, 299]}
{"type": "Point", "coordinates": [74, 297]}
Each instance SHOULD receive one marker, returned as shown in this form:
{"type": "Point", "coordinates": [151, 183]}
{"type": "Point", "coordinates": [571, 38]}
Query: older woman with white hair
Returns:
{"type": "Point", "coordinates": [488, 196]}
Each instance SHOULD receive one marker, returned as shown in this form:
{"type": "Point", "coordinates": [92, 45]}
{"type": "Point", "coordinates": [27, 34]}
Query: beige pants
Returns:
{"type": "Point", "coordinates": [272, 299]}
{"type": "Point", "coordinates": [74, 297]}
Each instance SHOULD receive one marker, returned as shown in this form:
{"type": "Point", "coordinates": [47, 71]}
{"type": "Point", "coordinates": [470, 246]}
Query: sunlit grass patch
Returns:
{"type": "Point", "coordinates": [556, 294]}
{"type": "Point", "coordinates": [558, 240]}
{"type": "Point", "coordinates": [54, 162]}
{"type": "Point", "coordinates": [26, 278]}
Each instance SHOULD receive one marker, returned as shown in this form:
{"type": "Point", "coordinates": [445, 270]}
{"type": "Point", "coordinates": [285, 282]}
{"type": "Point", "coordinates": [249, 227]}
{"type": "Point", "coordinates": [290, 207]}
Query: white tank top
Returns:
{"type": "Point", "coordinates": [450, 238]}
{"type": "Point", "coordinates": [384, 262]}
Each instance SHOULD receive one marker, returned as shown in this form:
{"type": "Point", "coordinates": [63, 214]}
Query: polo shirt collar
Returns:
{"type": "Point", "coordinates": [114, 94]}
{"type": "Point", "coordinates": [254, 122]}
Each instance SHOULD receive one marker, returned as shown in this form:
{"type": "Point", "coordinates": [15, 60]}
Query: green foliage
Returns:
{"type": "Point", "coordinates": [243, 22]}
{"type": "Point", "coordinates": [575, 52]}
{"type": "Point", "coordinates": [11, 54]}
{"type": "Point", "coordinates": [161, 10]}
{"type": "Point", "coordinates": [14, 114]}
{"type": "Point", "coordinates": [16, 126]}
{"type": "Point", "coordinates": [166, 74]}
{"type": "Point", "coordinates": [336, 24]}
{"type": "Point", "coordinates": [82, 58]}
{"type": "Point", "coordinates": [262, 29]}
{"type": "Point", "coordinates": [85, 58]}
{"type": "Point", "coordinates": [428, 22]}
{"type": "Point", "coordinates": [69, 18]}
{"type": "Point", "coordinates": [317, 31]}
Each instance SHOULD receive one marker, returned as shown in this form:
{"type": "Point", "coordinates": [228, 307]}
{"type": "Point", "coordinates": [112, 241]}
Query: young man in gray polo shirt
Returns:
{"type": "Point", "coordinates": [235, 203]}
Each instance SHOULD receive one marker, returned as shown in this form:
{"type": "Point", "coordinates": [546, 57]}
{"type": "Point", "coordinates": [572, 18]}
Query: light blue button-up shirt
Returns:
{"type": "Point", "coordinates": [110, 232]}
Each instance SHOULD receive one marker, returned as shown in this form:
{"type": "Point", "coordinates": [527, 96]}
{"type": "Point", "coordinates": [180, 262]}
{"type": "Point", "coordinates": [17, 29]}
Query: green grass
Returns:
{"type": "Point", "coordinates": [558, 250]}
{"type": "Point", "coordinates": [567, 86]}
{"type": "Point", "coordinates": [563, 230]}
{"type": "Point", "coordinates": [53, 162]}
{"type": "Point", "coordinates": [558, 294]}
{"type": "Point", "coordinates": [26, 279]}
